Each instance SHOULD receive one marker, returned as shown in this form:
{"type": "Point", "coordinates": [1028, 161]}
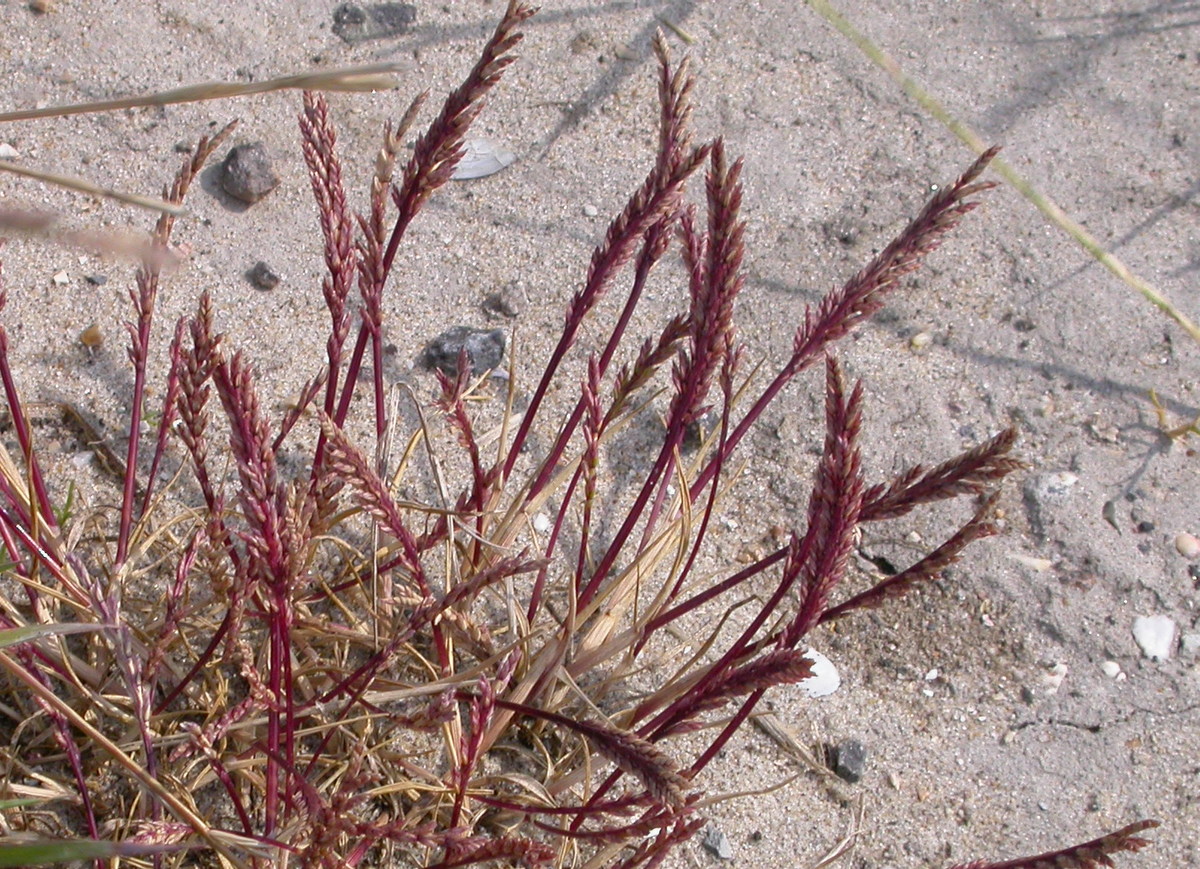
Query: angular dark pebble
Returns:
{"type": "Point", "coordinates": [850, 760]}
{"type": "Point", "coordinates": [97, 280]}
{"type": "Point", "coordinates": [485, 349]}
{"type": "Point", "coordinates": [263, 276]}
{"type": "Point", "coordinates": [355, 23]}
{"type": "Point", "coordinates": [247, 173]}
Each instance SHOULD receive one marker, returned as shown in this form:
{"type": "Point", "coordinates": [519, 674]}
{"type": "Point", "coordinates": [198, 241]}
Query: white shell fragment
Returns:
{"type": "Point", "coordinates": [484, 157]}
{"type": "Point", "coordinates": [1155, 635]}
{"type": "Point", "coordinates": [825, 678]}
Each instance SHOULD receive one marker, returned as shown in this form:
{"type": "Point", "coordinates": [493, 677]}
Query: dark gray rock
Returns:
{"type": "Point", "coordinates": [248, 174]}
{"type": "Point", "coordinates": [850, 760]}
{"type": "Point", "coordinates": [485, 349]}
{"type": "Point", "coordinates": [263, 276]}
{"type": "Point", "coordinates": [355, 23]}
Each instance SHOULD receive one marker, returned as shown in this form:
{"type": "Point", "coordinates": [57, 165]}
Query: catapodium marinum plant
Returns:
{"type": "Point", "coordinates": [333, 675]}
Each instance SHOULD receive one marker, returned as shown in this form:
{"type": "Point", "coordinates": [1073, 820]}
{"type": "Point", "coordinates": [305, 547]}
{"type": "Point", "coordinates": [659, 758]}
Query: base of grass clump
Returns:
{"type": "Point", "coordinates": [331, 674]}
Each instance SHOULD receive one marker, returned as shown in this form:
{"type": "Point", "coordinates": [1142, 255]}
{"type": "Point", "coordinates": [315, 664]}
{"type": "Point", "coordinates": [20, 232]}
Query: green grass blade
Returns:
{"type": "Point", "coordinates": [12, 636]}
{"type": "Point", "coordinates": [47, 852]}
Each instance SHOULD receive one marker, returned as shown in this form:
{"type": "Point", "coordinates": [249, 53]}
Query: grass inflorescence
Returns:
{"type": "Point", "coordinates": [330, 673]}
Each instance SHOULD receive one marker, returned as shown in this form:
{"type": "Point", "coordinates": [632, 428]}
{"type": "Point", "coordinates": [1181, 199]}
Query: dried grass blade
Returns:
{"type": "Point", "coordinates": [371, 77]}
{"type": "Point", "coordinates": [81, 185]}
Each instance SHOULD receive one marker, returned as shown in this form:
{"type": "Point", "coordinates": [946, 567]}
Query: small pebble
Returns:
{"type": "Point", "coordinates": [1053, 680]}
{"type": "Point", "coordinates": [541, 523]}
{"type": "Point", "coordinates": [920, 341]}
{"type": "Point", "coordinates": [41, 7]}
{"type": "Point", "coordinates": [1111, 669]}
{"type": "Point", "coordinates": [1189, 643]}
{"type": "Point", "coordinates": [718, 843]}
{"type": "Point", "coordinates": [501, 305]}
{"type": "Point", "coordinates": [485, 349]}
{"type": "Point", "coordinates": [91, 337]}
{"type": "Point", "coordinates": [932, 675]}
{"type": "Point", "coordinates": [1055, 483]}
{"type": "Point", "coordinates": [97, 280]}
{"type": "Point", "coordinates": [590, 210]}
{"type": "Point", "coordinates": [8, 152]}
{"type": "Point", "coordinates": [61, 279]}
{"type": "Point", "coordinates": [1187, 545]}
{"type": "Point", "coordinates": [850, 760]}
{"type": "Point", "coordinates": [263, 276]}
{"type": "Point", "coordinates": [355, 23]}
{"type": "Point", "coordinates": [248, 174]}
{"type": "Point", "coordinates": [1155, 635]}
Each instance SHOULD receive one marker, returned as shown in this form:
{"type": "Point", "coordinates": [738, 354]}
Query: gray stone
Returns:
{"type": "Point", "coordinates": [850, 760]}
{"type": "Point", "coordinates": [354, 23]}
{"type": "Point", "coordinates": [718, 843]}
{"type": "Point", "coordinates": [263, 276]}
{"type": "Point", "coordinates": [248, 173]}
{"type": "Point", "coordinates": [502, 305]}
{"type": "Point", "coordinates": [485, 349]}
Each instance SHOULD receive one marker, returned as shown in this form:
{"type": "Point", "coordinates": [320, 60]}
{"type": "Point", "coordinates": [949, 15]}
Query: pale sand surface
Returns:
{"type": "Point", "coordinates": [1096, 103]}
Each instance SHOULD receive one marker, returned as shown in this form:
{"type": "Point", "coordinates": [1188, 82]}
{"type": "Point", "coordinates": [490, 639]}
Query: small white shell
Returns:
{"type": "Point", "coordinates": [825, 678]}
{"type": "Point", "coordinates": [484, 157]}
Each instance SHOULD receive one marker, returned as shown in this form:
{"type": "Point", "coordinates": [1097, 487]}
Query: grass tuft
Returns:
{"type": "Point", "coordinates": [254, 667]}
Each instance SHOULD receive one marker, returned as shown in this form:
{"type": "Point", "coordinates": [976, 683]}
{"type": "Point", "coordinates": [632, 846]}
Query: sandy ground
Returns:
{"type": "Point", "coordinates": [973, 752]}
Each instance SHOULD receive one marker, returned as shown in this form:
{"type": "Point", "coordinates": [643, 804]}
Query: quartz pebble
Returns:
{"type": "Point", "coordinates": [1054, 678]}
{"type": "Point", "coordinates": [1111, 669]}
{"type": "Point", "coordinates": [8, 152]}
{"type": "Point", "coordinates": [1155, 635]}
{"type": "Point", "coordinates": [1187, 545]}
